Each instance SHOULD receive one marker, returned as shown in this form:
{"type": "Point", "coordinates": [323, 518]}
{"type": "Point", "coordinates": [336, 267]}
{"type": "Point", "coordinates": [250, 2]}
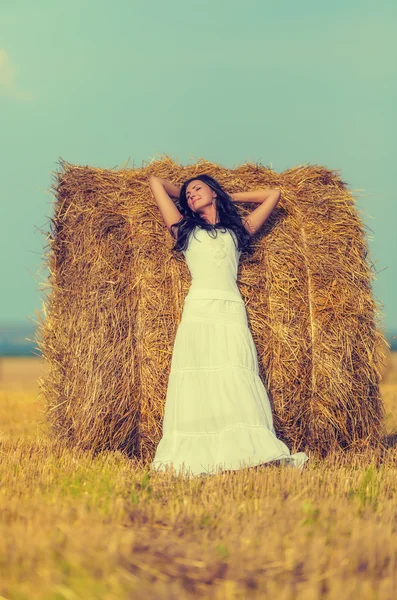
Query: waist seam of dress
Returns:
{"type": "Point", "coordinates": [213, 294]}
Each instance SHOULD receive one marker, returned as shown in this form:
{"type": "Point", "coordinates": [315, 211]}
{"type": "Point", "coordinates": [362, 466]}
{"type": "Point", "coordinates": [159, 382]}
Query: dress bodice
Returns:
{"type": "Point", "coordinates": [213, 261]}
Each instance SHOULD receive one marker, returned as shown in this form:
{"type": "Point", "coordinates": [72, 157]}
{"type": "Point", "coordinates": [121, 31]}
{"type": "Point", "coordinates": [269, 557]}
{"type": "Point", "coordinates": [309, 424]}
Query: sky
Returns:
{"type": "Point", "coordinates": [118, 84]}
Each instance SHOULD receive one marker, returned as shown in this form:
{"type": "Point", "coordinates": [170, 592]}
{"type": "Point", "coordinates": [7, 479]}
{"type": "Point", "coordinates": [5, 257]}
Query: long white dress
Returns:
{"type": "Point", "coordinates": [217, 414]}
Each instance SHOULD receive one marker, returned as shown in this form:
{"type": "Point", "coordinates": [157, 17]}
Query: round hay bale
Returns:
{"type": "Point", "coordinates": [116, 292]}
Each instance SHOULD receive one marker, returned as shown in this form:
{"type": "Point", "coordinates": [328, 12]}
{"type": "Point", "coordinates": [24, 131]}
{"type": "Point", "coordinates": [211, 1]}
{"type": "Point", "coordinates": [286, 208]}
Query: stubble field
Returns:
{"type": "Point", "coordinates": [74, 526]}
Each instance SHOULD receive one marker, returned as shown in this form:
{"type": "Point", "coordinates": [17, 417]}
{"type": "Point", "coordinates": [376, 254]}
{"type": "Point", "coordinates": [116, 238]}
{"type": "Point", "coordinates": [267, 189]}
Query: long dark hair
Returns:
{"type": "Point", "coordinates": [228, 217]}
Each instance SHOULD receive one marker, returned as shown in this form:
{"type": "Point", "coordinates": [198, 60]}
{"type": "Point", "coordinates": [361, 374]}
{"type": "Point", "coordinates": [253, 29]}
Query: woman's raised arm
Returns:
{"type": "Point", "coordinates": [162, 190]}
{"type": "Point", "coordinates": [257, 196]}
{"type": "Point", "coordinates": [171, 189]}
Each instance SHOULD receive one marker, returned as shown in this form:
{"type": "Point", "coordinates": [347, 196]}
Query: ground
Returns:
{"type": "Point", "coordinates": [77, 527]}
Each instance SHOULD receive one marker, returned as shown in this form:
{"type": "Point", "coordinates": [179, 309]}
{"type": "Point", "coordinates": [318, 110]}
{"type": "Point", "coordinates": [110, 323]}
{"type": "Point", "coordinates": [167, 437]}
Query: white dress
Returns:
{"type": "Point", "coordinates": [217, 414]}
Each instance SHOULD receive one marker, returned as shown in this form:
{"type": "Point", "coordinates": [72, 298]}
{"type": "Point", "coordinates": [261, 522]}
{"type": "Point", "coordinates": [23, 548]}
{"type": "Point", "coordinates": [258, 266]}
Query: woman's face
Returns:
{"type": "Point", "coordinates": [199, 195]}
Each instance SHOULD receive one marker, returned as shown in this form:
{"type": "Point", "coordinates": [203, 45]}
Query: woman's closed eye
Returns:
{"type": "Point", "coordinates": [198, 188]}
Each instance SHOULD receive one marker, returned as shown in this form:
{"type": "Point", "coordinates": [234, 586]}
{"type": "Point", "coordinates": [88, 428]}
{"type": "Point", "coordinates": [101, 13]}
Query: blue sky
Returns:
{"type": "Point", "coordinates": [117, 83]}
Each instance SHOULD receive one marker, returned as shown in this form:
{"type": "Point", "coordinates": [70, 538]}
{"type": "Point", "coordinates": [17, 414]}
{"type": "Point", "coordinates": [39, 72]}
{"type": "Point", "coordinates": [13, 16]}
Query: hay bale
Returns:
{"type": "Point", "coordinates": [116, 292]}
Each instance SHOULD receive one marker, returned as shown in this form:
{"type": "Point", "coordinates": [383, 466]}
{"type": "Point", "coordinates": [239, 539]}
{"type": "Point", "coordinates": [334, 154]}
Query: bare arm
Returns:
{"type": "Point", "coordinates": [257, 196]}
{"type": "Point", "coordinates": [171, 189]}
{"type": "Point", "coordinates": [256, 219]}
{"type": "Point", "coordinates": [162, 189]}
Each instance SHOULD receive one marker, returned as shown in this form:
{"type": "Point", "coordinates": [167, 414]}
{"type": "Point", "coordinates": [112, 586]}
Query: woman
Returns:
{"type": "Point", "coordinates": [217, 414]}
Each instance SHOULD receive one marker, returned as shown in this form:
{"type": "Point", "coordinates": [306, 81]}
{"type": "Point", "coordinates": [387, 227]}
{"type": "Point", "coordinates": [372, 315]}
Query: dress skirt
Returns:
{"type": "Point", "coordinates": [217, 414]}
